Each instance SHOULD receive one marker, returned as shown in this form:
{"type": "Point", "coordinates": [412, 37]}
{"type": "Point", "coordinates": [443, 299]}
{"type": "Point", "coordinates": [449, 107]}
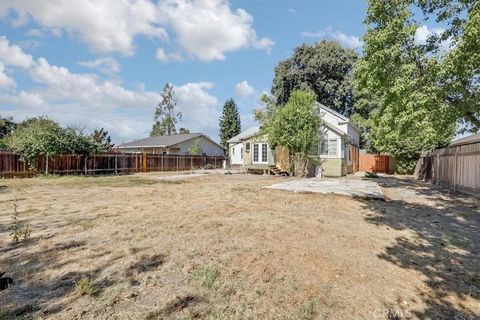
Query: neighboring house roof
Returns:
{"type": "Point", "coordinates": [250, 132]}
{"type": "Point", "coordinates": [474, 138]}
{"type": "Point", "coordinates": [164, 141]}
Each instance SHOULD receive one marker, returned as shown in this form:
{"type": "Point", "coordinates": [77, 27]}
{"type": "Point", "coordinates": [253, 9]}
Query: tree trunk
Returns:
{"type": "Point", "coordinates": [300, 165]}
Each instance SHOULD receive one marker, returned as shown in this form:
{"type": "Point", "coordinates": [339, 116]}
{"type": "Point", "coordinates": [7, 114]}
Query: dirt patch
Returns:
{"type": "Point", "coordinates": [224, 247]}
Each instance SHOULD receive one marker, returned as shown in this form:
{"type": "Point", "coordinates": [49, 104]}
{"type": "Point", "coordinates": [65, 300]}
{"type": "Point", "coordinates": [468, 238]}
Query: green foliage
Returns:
{"type": "Point", "coordinates": [43, 136]}
{"type": "Point", "coordinates": [86, 286]}
{"type": "Point", "coordinates": [293, 126]}
{"type": "Point", "coordinates": [102, 138]}
{"type": "Point", "coordinates": [195, 149]}
{"type": "Point", "coordinates": [183, 131]}
{"type": "Point", "coordinates": [165, 116]}
{"type": "Point", "coordinates": [401, 102]}
{"type": "Point", "coordinates": [229, 122]}
{"type": "Point", "coordinates": [325, 68]}
{"type": "Point", "coordinates": [7, 125]}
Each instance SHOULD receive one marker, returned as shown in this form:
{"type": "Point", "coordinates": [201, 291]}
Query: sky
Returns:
{"type": "Point", "coordinates": [102, 64]}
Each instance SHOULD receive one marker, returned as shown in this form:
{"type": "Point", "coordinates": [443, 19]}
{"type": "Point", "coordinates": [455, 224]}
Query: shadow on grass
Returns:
{"type": "Point", "coordinates": [445, 246]}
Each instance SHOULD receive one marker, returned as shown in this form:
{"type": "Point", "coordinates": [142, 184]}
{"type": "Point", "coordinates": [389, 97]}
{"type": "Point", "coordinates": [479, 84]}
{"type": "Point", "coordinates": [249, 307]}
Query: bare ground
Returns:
{"type": "Point", "coordinates": [223, 247]}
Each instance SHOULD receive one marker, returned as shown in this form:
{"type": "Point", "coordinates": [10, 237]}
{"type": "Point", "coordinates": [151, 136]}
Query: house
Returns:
{"type": "Point", "coordinates": [337, 149]}
{"type": "Point", "coordinates": [178, 144]}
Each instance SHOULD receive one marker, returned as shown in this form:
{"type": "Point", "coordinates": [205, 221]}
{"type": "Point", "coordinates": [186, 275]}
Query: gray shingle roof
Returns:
{"type": "Point", "coordinates": [250, 132]}
{"type": "Point", "coordinates": [162, 141]}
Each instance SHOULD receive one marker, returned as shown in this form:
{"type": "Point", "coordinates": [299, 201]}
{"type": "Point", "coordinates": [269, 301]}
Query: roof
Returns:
{"type": "Point", "coordinates": [250, 132]}
{"type": "Point", "coordinates": [340, 116]}
{"type": "Point", "coordinates": [335, 129]}
{"type": "Point", "coordinates": [164, 141]}
{"type": "Point", "coordinates": [474, 138]}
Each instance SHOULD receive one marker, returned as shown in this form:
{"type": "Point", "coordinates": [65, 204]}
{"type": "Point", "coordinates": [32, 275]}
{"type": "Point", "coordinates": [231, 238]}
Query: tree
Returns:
{"type": "Point", "coordinates": [42, 136]}
{"type": "Point", "coordinates": [325, 68]}
{"type": "Point", "coordinates": [7, 125]}
{"type": "Point", "coordinates": [165, 116]}
{"type": "Point", "coordinates": [195, 149]}
{"type": "Point", "coordinates": [183, 131]}
{"type": "Point", "coordinates": [229, 122]}
{"type": "Point", "coordinates": [294, 126]}
{"type": "Point", "coordinates": [400, 101]}
{"type": "Point", "coordinates": [102, 138]}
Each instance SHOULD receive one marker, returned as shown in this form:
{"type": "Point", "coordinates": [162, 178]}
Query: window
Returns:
{"type": "Point", "coordinates": [233, 151]}
{"type": "Point", "coordinates": [247, 146]}
{"type": "Point", "coordinates": [255, 152]}
{"type": "Point", "coordinates": [328, 147]}
{"type": "Point", "coordinates": [264, 152]}
{"type": "Point", "coordinates": [241, 153]}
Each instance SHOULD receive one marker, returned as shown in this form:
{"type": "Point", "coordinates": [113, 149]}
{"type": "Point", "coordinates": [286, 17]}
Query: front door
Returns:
{"type": "Point", "coordinates": [260, 153]}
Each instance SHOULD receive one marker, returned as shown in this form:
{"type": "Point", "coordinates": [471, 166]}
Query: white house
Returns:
{"type": "Point", "coordinates": [337, 148]}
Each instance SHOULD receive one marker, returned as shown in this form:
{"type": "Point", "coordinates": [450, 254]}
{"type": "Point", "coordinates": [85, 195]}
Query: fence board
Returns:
{"type": "Point", "coordinates": [12, 166]}
{"type": "Point", "coordinates": [456, 168]}
{"type": "Point", "coordinates": [373, 162]}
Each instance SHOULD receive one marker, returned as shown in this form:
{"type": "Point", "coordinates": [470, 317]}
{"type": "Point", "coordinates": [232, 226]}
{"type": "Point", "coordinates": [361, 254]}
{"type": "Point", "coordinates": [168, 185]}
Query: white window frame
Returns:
{"type": "Point", "coordinates": [329, 153]}
{"type": "Point", "coordinates": [260, 146]}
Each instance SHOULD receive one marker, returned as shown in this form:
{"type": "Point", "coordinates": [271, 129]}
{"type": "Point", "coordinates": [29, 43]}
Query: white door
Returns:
{"type": "Point", "coordinates": [260, 153]}
{"type": "Point", "coordinates": [236, 154]}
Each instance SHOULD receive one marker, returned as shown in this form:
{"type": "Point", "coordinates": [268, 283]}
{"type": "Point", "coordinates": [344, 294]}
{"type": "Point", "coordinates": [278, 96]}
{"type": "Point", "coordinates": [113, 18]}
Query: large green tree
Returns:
{"type": "Point", "coordinates": [165, 116]}
{"type": "Point", "coordinates": [325, 68]}
{"type": "Point", "coordinates": [7, 125]}
{"type": "Point", "coordinates": [229, 124]}
{"type": "Point", "coordinates": [103, 138]}
{"type": "Point", "coordinates": [294, 126]}
{"type": "Point", "coordinates": [411, 95]}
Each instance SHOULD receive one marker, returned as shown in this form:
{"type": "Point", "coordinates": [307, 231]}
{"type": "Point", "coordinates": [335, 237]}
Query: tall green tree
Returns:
{"type": "Point", "coordinates": [325, 68]}
{"type": "Point", "coordinates": [165, 116]}
{"type": "Point", "coordinates": [401, 99]}
{"type": "Point", "coordinates": [230, 124]}
{"type": "Point", "coordinates": [183, 131]}
{"type": "Point", "coordinates": [294, 126]}
{"type": "Point", "coordinates": [103, 138]}
{"type": "Point", "coordinates": [7, 125]}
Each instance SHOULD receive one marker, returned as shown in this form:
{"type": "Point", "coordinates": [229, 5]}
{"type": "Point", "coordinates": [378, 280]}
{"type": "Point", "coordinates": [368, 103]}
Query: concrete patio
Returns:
{"type": "Point", "coordinates": [366, 189]}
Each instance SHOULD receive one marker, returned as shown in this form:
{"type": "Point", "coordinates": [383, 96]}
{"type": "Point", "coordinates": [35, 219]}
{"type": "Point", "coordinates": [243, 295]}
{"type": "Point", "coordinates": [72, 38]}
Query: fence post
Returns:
{"type": "Point", "coordinates": [191, 162]}
{"type": "Point", "coordinates": [438, 169]}
{"type": "Point", "coordinates": [163, 156]}
{"type": "Point", "coordinates": [215, 161]}
{"type": "Point", "coordinates": [177, 161]}
{"type": "Point", "coordinates": [116, 164]}
{"type": "Point", "coordinates": [455, 172]}
{"type": "Point", "coordinates": [46, 165]}
{"type": "Point", "coordinates": [85, 164]}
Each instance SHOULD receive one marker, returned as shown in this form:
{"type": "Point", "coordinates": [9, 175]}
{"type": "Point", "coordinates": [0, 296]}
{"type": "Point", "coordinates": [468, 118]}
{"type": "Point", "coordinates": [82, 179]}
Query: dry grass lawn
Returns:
{"type": "Point", "coordinates": [222, 247]}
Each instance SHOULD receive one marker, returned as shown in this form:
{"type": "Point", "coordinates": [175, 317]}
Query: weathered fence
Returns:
{"type": "Point", "coordinates": [11, 164]}
{"type": "Point", "coordinates": [457, 168]}
{"type": "Point", "coordinates": [374, 163]}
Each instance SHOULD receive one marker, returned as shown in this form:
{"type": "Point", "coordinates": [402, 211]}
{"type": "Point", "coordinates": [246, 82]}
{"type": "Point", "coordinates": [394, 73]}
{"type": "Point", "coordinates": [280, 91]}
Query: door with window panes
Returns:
{"type": "Point", "coordinates": [260, 153]}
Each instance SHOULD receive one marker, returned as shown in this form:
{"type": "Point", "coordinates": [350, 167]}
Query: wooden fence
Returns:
{"type": "Point", "coordinates": [119, 163]}
{"type": "Point", "coordinates": [374, 163]}
{"type": "Point", "coordinates": [457, 168]}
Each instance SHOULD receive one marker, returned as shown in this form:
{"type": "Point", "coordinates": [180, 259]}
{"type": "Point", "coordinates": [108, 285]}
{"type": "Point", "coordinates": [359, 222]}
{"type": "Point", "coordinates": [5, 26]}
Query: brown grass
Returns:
{"type": "Point", "coordinates": [222, 247]}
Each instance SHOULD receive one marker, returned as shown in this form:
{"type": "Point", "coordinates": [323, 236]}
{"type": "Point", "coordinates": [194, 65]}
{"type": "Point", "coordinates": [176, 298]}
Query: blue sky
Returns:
{"type": "Point", "coordinates": [103, 63]}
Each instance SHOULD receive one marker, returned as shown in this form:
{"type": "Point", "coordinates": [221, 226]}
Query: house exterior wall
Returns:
{"type": "Point", "coordinates": [333, 167]}
{"type": "Point", "coordinates": [208, 147]}
{"type": "Point", "coordinates": [236, 153]}
{"type": "Point", "coordinates": [248, 154]}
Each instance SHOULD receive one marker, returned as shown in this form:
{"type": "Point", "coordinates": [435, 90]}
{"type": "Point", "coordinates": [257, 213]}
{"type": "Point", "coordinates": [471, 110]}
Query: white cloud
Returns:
{"type": "Point", "coordinates": [86, 100]}
{"type": "Point", "coordinates": [244, 90]}
{"type": "Point", "coordinates": [424, 32]}
{"type": "Point", "coordinates": [349, 41]}
{"type": "Point", "coordinates": [200, 109]}
{"type": "Point", "coordinates": [13, 55]}
{"type": "Point", "coordinates": [106, 65]}
{"type": "Point", "coordinates": [209, 29]}
{"type": "Point", "coordinates": [205, 30]}
{"type": "Point", "coordinates": [106, 26]}
{"type": "Point", "coordinates": [163, 56]}
{"type": "Point", "coordinates": [6, 83]}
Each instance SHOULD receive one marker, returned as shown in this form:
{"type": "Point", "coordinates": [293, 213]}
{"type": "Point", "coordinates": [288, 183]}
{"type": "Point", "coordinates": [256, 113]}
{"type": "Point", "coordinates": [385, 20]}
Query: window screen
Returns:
{"type": "Point", "coordinates": [255, 152]}
{"type": "Point", "coordinates": [264, 152]}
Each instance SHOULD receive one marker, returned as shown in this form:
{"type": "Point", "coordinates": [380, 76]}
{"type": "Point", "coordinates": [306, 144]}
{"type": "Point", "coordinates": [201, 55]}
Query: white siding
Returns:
{"type": "Point", "coordinates": [235, 153]}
